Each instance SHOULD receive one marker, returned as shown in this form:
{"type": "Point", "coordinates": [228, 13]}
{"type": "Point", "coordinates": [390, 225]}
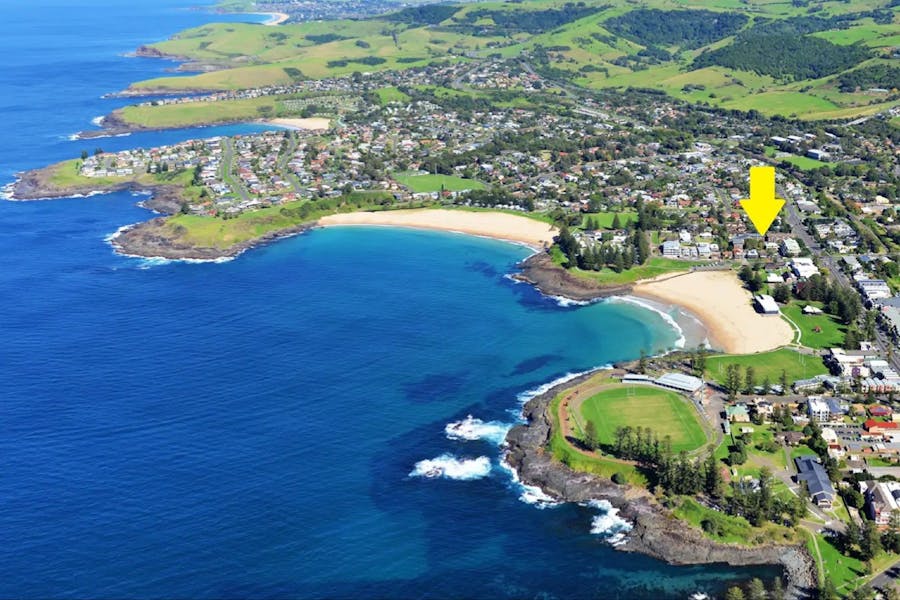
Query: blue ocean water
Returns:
{"type": "Point", "coordinates": [248, 429]}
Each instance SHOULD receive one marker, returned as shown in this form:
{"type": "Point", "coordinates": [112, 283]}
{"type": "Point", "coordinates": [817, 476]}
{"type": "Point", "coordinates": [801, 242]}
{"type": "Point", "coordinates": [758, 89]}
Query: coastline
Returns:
{"type": "Point", "coordinates": [495, 225]}
{"type": "Point", "coordinates": [654, 532]}
{"type": "Point", "coordinates": [721, 303]}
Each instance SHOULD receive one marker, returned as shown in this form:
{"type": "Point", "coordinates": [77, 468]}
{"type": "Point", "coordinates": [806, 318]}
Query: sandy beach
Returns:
{"type": "Point", "coordinates": [724, 306]}
{"type": "Point", "coordinates": [311, 124]}
{"type": "Point", "coordinates": [275, 18]}
{"type": "Point", "coordinates": [489, 224]}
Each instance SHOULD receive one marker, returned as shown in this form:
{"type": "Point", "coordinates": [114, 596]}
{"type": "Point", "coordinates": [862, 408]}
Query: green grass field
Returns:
{"type": "Point", "coordinates": [179, 115]}
{"type": "Point", "coordinates": [805, 163]}
{"type": "Point", "coordinates": [605, 219]}
{"type": "Point", "coordinates": [654, 267]}
{"type": "Point", "coordinates": [768, 364]}
{"type": "Point", "coordinates": [391, 94]}
{"type": "Point", "coordinates": [420, 184]}
{"type": "Point", "coordinates": [730, 529]}
{"type": "Point", "coordinates": [831, 331]}
{"type": "Point", "coordinates": [666, 413]}
{"type": "Point", "coordinates": [563, 451]}
{"type": "Point", "coordinates": [212, 232]}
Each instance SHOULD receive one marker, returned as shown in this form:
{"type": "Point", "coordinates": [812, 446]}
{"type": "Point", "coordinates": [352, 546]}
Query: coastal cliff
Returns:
{"type": "Point", "coordinates": [552, 280]}
{"type": "Point", "coordinates": [38, 185]}
{"type": "Point", "coordinates": [656, 532]}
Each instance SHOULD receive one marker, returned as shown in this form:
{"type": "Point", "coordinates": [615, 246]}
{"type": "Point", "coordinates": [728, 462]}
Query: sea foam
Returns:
{"type": "Point", "coordinates": [449, 466]}
{"type": "Point", "coordinates": [529, 494]}
{"type": "Point", "coordinates": [679, 343]}
{"type": "Point", "coordinates": [471, 429]}
{"type": "Point", "coordinates": [608, 523]}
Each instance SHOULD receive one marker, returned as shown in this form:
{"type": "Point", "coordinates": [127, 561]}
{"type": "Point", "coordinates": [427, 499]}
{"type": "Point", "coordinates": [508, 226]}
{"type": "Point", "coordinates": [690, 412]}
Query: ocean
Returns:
{"type": "Point", "coordinates": [261, 428]}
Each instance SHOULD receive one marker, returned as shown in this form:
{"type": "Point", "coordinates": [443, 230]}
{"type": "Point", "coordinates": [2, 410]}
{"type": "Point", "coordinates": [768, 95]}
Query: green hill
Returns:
{"type": "Point", "coordinates": [808, 59]}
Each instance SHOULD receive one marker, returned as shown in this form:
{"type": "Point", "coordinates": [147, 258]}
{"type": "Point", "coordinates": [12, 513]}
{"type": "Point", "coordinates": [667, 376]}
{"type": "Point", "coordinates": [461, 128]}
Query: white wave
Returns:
{"type": "Point", "coordinates": [608, 523]}
{"type": "Point", "coordinates": [153, 261]}
{"type": "Point", "coordinates": [77, 136]}
{"type": "Point", "coordinates": [98, 121]}
{"type": "Point", "coordinates": [529, 494]}
{"type": "Point", "coordinates": [679, 343]}
{"type": "Point", "coordinates": [564, 302]}
{"type": "Point", "coordinates": [513, 279]}
{"type": "Point", "coordinates": [451, 467]}
{"type": "Point", "coordinates": [527, 395]}
{"type": "Point", "coordinates": [471, 429]}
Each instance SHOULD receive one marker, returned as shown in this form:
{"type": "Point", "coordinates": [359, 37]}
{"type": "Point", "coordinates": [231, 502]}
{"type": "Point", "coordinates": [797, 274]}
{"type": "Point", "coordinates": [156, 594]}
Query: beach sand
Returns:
{"type": "Point", "coordinates": [724, 306]}
{"type": "Point", "coordinates": [489, 224]}
{"type": "Point", "coordinates": [312, 124]}
{"type": "Point", "coordinates": [275, 18]}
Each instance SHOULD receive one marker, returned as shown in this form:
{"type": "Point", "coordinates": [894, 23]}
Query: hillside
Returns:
{"type": "Point", "coordinates": [805, 58]}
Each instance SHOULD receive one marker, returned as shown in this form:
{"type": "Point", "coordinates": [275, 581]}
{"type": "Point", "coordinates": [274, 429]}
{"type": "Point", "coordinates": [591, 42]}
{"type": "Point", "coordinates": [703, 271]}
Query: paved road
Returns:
{"type": "Point", "coordinates": [887, 578]}
{"type": "Point", "coordinates": [227, 174]}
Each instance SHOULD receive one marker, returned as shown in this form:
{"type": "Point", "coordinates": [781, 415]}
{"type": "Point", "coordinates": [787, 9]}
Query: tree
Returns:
{"type": "Point", "coordinates": [827, 591]}
{"type": "Point", "coordinates": [766, 386]}
{"type": "Point", "coordinates": [712, 484]}
{"type": "Point", "coordinates": [616, 223]}
{"type": "Point", "coordinates": [756, 590]}
{"type": "Point", "coordinates": [732, 380]}
{"type": "Point", "coordinates": [777, 592]}
{"type": "Point", "coordinates": [84, 154]}
{"type": "Point", "coordinates": [734, 593]}
{"type": "Point", "coordinates": [590, 436]}
{"type": "Point", "coordinates": [642, 363]}
{"type": "Point", "coordinates": [750, 379]}
{"type": "Point", "coordinates": [699, 362]}
{"type": "Point", "coordinates": [781, 293]}
{"type": "Point", "coordinates": [784, 382]}
{"type": "Point", "coordinates": [870, 541]}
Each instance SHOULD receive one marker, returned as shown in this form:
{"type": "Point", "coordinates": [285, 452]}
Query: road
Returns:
{"type": "Point", "coordinates": [227, 172]}
{"type": "Point", "coordinates": [795, 220]}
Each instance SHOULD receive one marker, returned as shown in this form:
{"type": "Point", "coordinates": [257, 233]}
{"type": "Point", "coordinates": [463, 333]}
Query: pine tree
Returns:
{"type": "Point", "coordinates": [756, 590]}
{"type": "Point", "coordinates": [734, 593]}
{"type": "Point", "coordinates": [590, 436]}
{"type": "Point", "coordinates": [713, 477]}
{"type": "Point", "coordinates": [616, 223]}
{"type": "Point", "coordinates": [777, 592]}
{"type": "Point", "coordinates": [784, 382]}
{"type": "Point", "coordinates": [750, 379]}
{"type": "Point", "coordinates": [642, 363]}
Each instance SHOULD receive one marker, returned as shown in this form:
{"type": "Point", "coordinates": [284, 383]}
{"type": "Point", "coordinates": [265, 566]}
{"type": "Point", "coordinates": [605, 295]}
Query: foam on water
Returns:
{"type": "Point", "coordinates": [470, 429]}
{"type": "Point", "coordinates": [449, 466]}
{"type": "Point", "coordinates": [527, 395]}
{"type": "Point", "coordinates": [529, 494]}
{"type": "Point", "coordinates": [679, 343]}
{"type": "Point", "coordinates": [608, 523]}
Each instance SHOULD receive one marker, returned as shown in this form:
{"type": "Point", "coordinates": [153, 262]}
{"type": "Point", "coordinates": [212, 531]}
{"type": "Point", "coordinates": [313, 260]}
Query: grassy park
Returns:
{"type": "Point", "coordinates": [654, 267]}
{"type": "Point", "coordinates": [816, 331]}
{"type": "Point", "coordinates": [423, 184]}
{"type": "Point", "coordinates": [768, 364]}
{"type": "Point", "coordinates": [664, 412]}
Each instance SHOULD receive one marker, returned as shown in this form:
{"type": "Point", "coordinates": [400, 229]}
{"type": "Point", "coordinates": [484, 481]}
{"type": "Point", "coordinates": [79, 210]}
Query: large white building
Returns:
{"type": "Point", "coordinates": [804, 268]}
{"type": "Point", "coordinates": [767, 304]}
{"type": "Point", "coordinates": [789, 247]}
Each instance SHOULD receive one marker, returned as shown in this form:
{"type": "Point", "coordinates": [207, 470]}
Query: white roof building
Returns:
{"type": "Point", "coordinates": [767, 304]}
{"type": "Point", "coordinates": [804, 268]}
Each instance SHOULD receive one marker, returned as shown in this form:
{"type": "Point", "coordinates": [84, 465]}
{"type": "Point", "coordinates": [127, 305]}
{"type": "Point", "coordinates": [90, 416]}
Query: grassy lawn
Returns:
{"type": "Point", "coordinates": [654, 267]}
{"type": "Point", "coordinates": [846, 572]}
{"type": "Point", "coordinates": [666, 413]}
{"type": "Point", "coordinates": [805, 163]}
{"type": "Point", "coordinates": [801, 450]}
{"type": "Point", "coordinates": [192, 113]}
{"type": "Point", "coordinates": [391, 94]}
{"type": "Point", "coordinates": [763, 434]}
{"type": "Point", "coordinates": [731, 529]}
{"type": "Point", "coordinates": [768, 364]}
{"type": "Point", "coordinates": [831, 331]}
{"type": "Point", "coordinates": [563, 451]}
{"type": "Point", "coordinates": [212, 232]}
{"type": "Point", "coordinates": [434, 183]}
{"type": "Point", "coordinates": [605, 219]}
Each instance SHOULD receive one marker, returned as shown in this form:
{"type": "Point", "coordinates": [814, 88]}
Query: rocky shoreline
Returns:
{"type": "Point", "coordinates": [152, 239]}
{"type": "Point", "coordinates": [655, 531]}
{"type": "Point", "coordinates": [552, 280]}
{"type": "Point", "coordinates": [36, 185]}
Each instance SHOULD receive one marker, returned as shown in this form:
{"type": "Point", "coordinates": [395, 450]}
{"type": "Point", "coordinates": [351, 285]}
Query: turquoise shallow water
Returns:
{"type": "Point", "coordinates": [249, 429]}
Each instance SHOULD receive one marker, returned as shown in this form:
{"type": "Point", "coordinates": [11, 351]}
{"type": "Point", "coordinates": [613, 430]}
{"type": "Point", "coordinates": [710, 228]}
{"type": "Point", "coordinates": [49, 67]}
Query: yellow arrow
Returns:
{"type": "Point", "coordinates": [762, 207]}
